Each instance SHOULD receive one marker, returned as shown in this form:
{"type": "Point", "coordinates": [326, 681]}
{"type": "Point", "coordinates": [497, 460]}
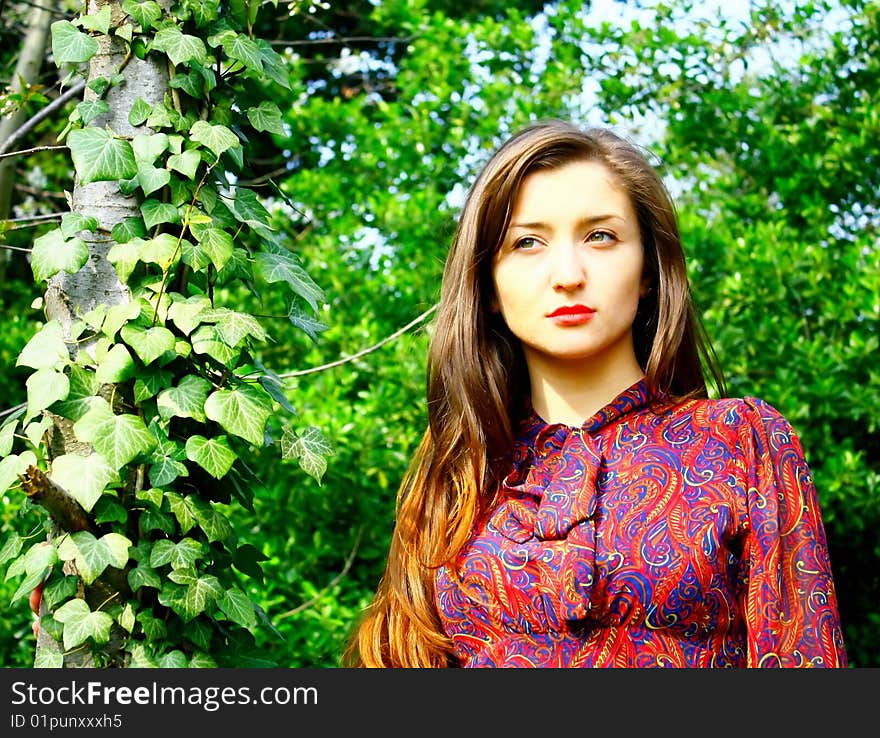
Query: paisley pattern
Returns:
{"type": "Point", "coordinates": [651, 536]}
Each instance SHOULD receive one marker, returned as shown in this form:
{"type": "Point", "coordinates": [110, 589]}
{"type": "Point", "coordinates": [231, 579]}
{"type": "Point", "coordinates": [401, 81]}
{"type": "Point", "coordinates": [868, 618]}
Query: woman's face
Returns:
{"type": "Point", "coordinates": [569, 273]}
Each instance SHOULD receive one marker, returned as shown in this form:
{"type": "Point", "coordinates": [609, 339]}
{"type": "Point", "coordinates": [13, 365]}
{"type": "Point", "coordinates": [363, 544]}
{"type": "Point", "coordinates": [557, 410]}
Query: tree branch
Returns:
{"type": "Point", "coordinates": [66, 512]}
{"type": "Point", "coordinates": [28, 125]}
{"type": "Point", "coordinates": [364, 352]}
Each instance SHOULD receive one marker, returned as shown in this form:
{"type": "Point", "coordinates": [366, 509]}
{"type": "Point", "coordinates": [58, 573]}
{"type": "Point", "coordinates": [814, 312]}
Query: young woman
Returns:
{"type": "Point", "coordinates": [577, 499]}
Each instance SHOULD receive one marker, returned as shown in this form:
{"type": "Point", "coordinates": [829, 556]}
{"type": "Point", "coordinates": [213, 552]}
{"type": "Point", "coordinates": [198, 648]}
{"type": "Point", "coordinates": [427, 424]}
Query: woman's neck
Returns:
{"type": "Point", "coordinates": [573, 393]}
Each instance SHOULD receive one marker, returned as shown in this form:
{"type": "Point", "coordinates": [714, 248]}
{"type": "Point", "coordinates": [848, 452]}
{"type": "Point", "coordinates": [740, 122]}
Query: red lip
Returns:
{"type": "Point", "coordinates": [567, 310]}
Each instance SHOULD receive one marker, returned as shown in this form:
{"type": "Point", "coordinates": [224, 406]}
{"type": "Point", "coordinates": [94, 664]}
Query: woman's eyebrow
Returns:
{"type": "Point", "coordinates": [587, 221]}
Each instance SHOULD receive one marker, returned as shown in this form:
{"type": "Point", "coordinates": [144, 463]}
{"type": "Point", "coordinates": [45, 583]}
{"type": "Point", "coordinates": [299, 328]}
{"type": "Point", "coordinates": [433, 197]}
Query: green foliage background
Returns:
{"type": "Point", "coordinates": [768, 132]}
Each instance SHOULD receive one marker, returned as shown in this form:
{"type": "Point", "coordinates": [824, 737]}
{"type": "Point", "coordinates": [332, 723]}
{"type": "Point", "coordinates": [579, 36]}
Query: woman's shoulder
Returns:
{"type": "Point", "coordinates": [736, 413]}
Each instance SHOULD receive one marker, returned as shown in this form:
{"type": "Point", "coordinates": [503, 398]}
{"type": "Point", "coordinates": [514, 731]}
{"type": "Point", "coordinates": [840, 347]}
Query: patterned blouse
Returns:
{"type": "Point", "coordinates": [685, 536]}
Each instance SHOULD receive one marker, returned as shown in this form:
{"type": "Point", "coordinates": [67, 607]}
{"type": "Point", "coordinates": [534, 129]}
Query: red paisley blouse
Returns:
{"type": "Point", "coordinates": [651, 536]}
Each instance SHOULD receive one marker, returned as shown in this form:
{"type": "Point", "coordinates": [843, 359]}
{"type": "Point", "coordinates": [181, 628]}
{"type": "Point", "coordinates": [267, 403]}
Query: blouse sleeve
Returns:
{"type": "Point", "coordinates": [790, 605]}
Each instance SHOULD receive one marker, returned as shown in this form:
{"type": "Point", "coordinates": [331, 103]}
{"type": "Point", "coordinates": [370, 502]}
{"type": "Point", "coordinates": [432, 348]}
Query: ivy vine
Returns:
{"type": "Point", "coordinates": [160, 398]}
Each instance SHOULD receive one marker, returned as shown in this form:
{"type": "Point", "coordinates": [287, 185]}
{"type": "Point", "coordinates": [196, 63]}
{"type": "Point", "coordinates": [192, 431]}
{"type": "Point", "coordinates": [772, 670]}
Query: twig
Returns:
{"type": "Point", "coordinates": [364, 352]}
{"type": "Point", "coordinates": [333, 582]}
{"type": "Point", "coordinates": [12, 409]}
{"type": "Point", "coordinates": [34, 150]}
{"type": "Point", "coordinates": [26, 127]}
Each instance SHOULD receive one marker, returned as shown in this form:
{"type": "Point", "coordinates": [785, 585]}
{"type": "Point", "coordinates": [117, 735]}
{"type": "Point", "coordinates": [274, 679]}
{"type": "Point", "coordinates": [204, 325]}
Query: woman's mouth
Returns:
{"type": "Point", "coordinates": [571, 315]}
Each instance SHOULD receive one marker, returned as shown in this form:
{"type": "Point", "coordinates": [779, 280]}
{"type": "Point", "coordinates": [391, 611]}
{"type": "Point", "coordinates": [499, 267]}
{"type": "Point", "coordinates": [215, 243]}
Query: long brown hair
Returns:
{"type": "Point", "coordinates": [476, 378]}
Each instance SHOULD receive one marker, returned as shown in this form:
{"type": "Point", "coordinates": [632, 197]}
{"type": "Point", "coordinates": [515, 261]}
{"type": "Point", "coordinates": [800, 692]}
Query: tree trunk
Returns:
{"type": "Point", "coordinates": [68, 296]}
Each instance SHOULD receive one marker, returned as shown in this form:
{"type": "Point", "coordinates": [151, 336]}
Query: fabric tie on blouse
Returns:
{"type": "Point", "coordinates": [550, 501]}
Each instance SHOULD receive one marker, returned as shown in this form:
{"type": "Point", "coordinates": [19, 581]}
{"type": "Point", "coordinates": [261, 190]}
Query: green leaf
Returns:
{"type": "Point", "coordinates": [217, 138]}
{"type": "Point", "coordinates": [180, 555]}
{"type": "Point", "coordinates": [127, 229]}
{"type": "Point", "coordinates": [93, 555]}
{"type": "Point", "coordinates": [305, 322]}
{"type": "Point", "coordinates": [266, 117]}
{"type": "Point", "coordinates": [213, 522]}
{"type": "Point", "coordinates": [240, 48]}
{"type": "Point", "coordinates": [242, 411]}
{"type": "Point", "coordinates": [7, 437]}
{"type": "Point", "coordinates": [139, 112]}
{"type": "Point", "coordinates": [73, 223]}
{"type": "Point", "coordinates": [148, 343]}
{"type": "Point", "coordinates": [147, 147]}
{"type": "Point", "coordinates": [11, 548]}
{"type": "Point", "coordinates": [180, 47]}
{"type": "Point", "coordinates": [84, 385]}
{"type": "Point", "coordinates": [143, 576]}
{"type": "Point", "coordinates": [233, 326]}
{"type": "Point", "coordinates": [59, 590]}
{"type": "Point", "coordinates": [118, 438]}
{"type": "Point", "coordinates": [99, 21]}
{"type": "Point", "coordinates": [247, 209]}
{"type": "Point", "coordinates": [91, 109]}
{"type": "Point", "coordinates": [186, 163]}
{"type": "Point", "coordinates": [145, 12]}
{"type": "Point", "coordinates": [173, 660]}
{"type": "Point", "coordinates": [183, 510]}
{"type": "Point", "coordinates": [156, 212]}
{"type": "Point", "coordinates": [83, 477]}
{"type": "Point", "coordinates": [184, 313]}
{"type": "Point", "coordinates": [186, 400]}
{"type": "Point", "coordinates": [70, 45]}
{"type": "Point", "coordinates": [217, 244]}
{"type": "Point", "coordinates": [310, 448]}
{"type": "Point", "coordinates": [280, 265]}
{"type": "Point", "coordinates": [45, 387]}
{"type": "Point", "coordinates": [81, 624]}
{"type": "Point", "coordinates": [152, 178]}
{"type": "Point", "coordinates": [208, 340]}
{"type": "Point", "coordinates": [52, 254]}
{"type": "Point", "coordinates": [14, 466]}
{"type": "Point", "coordinates": [236, 605]}
{"type": "Point", "coordinates": [46, 349]}
{"type": "Point", "coordinates": [115, 365]}
{"type": "Point", "coordinates": [273, 65]}
{"type": "Point", "coordinates": [214, 455]}
{"type": "Point", "coordinates": [98, 155]}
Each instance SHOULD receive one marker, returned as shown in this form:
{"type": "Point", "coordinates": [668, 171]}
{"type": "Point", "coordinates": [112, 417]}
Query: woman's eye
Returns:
{"type": "Point", "coordinates": [600, 237]}
{"type": "Point", "coordinates": [526, 242]}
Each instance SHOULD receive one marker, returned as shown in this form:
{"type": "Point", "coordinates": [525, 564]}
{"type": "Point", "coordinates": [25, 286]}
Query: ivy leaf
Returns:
{"type": "Point", "coordinates": [186, 163]}
{"type": "Point", "coordinates": [213, 522]}
{"type": "Point", "coordinates": [310, 448]}
{"type": "Point", "coordinates": [99, 21]}
{"type": "Point", "coordinates": [7, 437]}
{"type": "Point", "coordinates": [90, 109]}
{"type": "Point", "coordinates": [52, 254]}
{"type": "Point", "coordinates": [115, 365]}
{"type": "Point", "coordinates": [247, 209]}
{"type": "Point", "coordinates": [46, 349]}
{"type": "Point", "coordinates": [143, 576]}
{"type": "Point", "coordinates": [98, 155]}
{"type": "Point", "coordinates": [273, 65]}
{"type": "Point", "coordinates": [217, 244]}
{"type": "Point", "coordinates": [233, 326]}
{"type": "Point", "coordinates": [173, 660]}
{"type": "Point", "coordinates": [266, 117]}
{"type": "Point", "coordinates": [280, 265]}
{"type": "Point", "coordinates": [83, 477]}
{"type": "Point", "coordinates": [45, 387]}
{"type": "Point", "coordinates": [217, 138]}
{"type": "Point", "coordinates": [152, 178]}
{"type": "Point", "coordinates": [242, 411]}
{"type": "Point", "coordinates": [180, 555]}
{"type": "Point", "coordinates": [73, 223]}
{"type": "Point", "coordinates": [84, 385]}
{"type": "Point", "coordinates": [147, 147]}
{"type": "Point", "coordinates": [59, 590]}
{"type": "Point", "coordinates": [240, 48]}
{"type": "Point", "coordinates": [309, 325]}
{"type": "Point", "coordinates": [70, 45]}
{"type": "Point", "coordinates": [185, 313]}
{"type": "Point", "coordinates": [118, 438]}
{"type": "Point", "coordinates": [11, 548]}
{"type": "Point", "coordinates": [183, 510]}
{"type": "Point", "coordinates": [145, 12]}
{"type": "Point", "coordinates": [129, 228]}
{"type": "Point", "coordinates": [237, 606]}
{"type": "Point", "coordinates": [186, 400]}
{"type": "Point", "coordinates": [93, 555]}
{"type": "Point", "coordinates": [156, 212]}
{"type": "Point", "coordinates": [214, 455]}
{"type": "Point", "coordinates": [139, 112]}
{"type": "Point", "coordinates": [180, 47]}
{"type": "Point", "coordinates": [14, 466]}
{"type": "Point", "coordinates": [148, 343]}
{"type": "Point", "coordinates": [80, 624]}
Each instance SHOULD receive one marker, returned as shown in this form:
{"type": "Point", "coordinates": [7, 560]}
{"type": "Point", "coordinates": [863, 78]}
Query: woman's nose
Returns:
{"type": "Point", "coordinates": [568, 270]}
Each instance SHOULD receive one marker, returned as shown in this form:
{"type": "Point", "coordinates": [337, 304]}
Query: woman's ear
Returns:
{"type": "Point", "coordinates": [645, 287]}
